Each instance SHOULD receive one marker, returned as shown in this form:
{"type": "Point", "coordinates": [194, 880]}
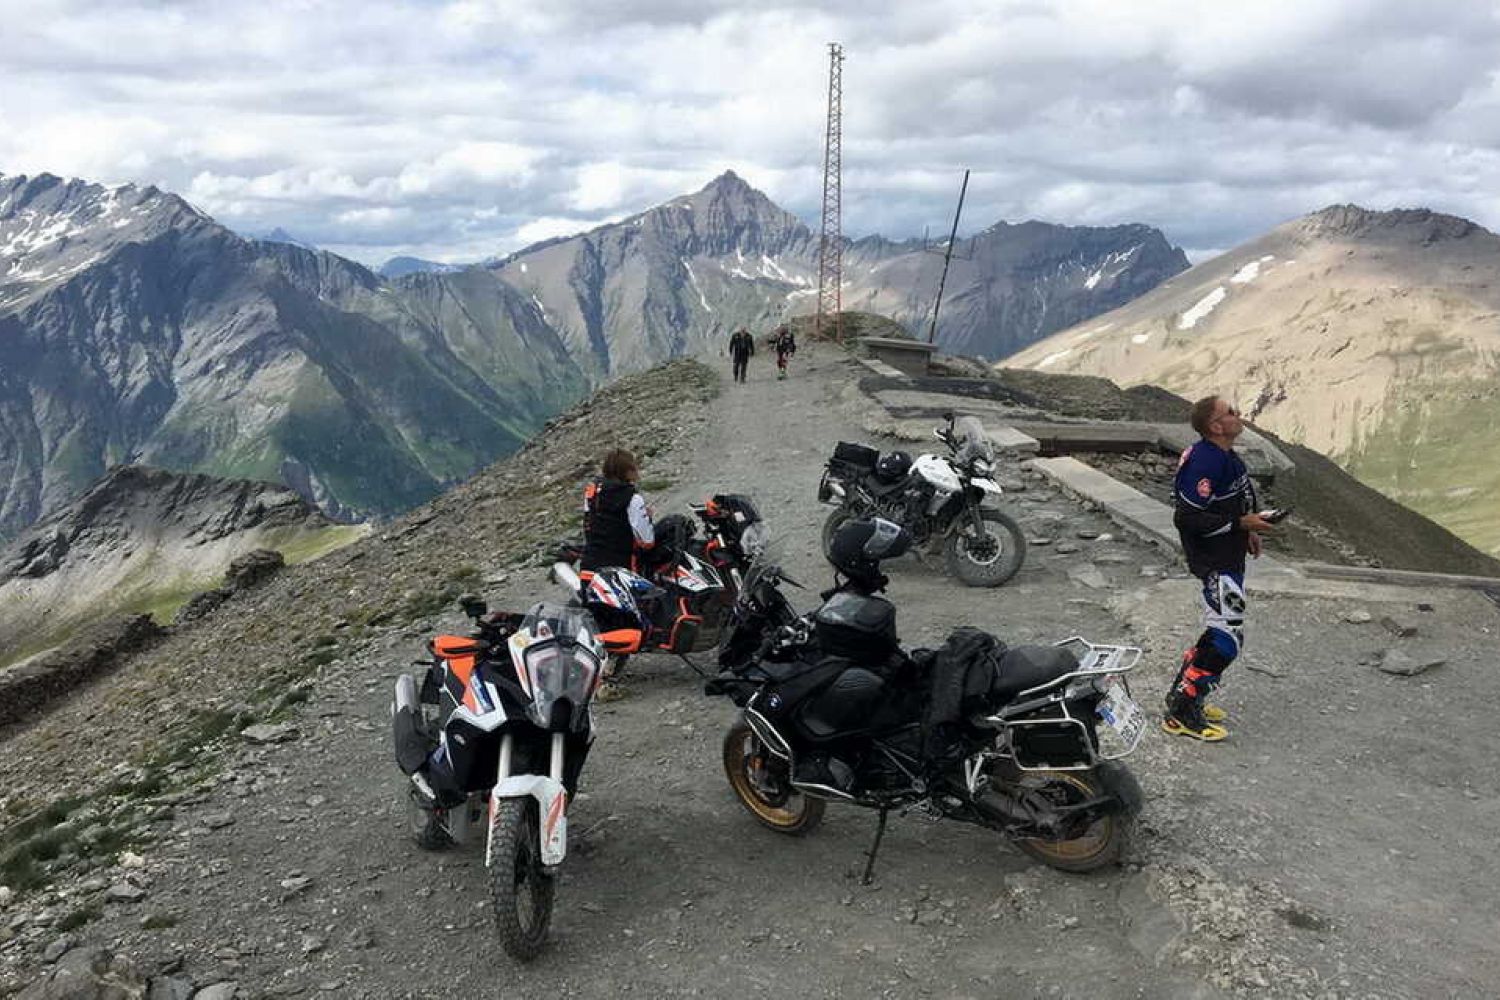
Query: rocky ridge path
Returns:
{"type": "Point", "coordinates": [1338, 845]}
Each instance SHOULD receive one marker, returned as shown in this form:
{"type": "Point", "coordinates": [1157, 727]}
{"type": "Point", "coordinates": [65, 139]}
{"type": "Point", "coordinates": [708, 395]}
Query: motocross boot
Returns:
{"type": "Point", "coordinates": [1186, 717]}
{"type": "Point", "coordinates": [1186, 675]}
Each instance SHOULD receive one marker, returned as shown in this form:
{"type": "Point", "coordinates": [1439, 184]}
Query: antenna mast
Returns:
{"type": "Point", "coordinates": [831, 242]}
{"type": "Point", "coordinates": [947, 258]}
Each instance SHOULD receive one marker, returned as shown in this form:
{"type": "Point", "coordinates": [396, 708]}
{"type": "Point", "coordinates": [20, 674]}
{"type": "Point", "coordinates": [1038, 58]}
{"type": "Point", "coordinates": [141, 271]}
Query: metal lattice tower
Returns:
{"type": "Point", "coordinates": [831, 242]}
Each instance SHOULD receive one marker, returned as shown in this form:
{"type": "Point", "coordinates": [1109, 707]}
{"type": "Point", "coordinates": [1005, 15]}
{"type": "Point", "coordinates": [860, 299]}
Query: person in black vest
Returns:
{"type": "Point", "coordinates": [616, 523]}
{"type": "Point", "coordinates": [741, 348]}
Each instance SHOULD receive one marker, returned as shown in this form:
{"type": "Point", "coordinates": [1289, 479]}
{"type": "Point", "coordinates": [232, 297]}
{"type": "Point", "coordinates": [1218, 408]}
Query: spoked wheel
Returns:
{"type": "Point", "coordinates": [991, 559]}
{"type": "Point", "coordinates": [1103, 841]}
{"type": "Point", "coordinates": [762, 783]}
{"type": "Point", "coordinates": [523, 891]}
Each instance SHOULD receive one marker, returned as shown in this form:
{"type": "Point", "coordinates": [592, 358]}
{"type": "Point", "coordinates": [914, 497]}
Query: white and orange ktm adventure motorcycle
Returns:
{"type": "Point", "coordinates": [495, 729]}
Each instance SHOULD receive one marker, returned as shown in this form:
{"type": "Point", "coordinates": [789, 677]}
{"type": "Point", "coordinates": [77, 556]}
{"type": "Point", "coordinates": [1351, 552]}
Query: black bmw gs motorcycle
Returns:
{"type": "Point", "coordinates": [1023, 741]}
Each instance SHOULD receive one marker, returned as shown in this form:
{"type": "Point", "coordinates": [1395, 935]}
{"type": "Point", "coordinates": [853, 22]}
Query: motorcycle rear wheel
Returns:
{"type": "Point", "coordinates": [522, 891]}
{"type": "Point", "coordinates": [1106, 839]}
{"type": "Point", "coordinates": [773, 803]}
{"type": "Point", "coordinates": [990, 561]}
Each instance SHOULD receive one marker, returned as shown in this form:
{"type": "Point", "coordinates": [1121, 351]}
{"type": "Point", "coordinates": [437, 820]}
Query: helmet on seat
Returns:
{"type": "Point", "coordinates": [893, 465]}
{"type": "Point", "coordinates": [858, 547]}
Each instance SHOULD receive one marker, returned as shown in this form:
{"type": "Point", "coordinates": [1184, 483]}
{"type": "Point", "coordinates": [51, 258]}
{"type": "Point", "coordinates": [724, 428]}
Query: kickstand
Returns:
{"type": "Point", "coordinates": [869, 875]}
{"type": "Point", "coordinates": [696, 669]}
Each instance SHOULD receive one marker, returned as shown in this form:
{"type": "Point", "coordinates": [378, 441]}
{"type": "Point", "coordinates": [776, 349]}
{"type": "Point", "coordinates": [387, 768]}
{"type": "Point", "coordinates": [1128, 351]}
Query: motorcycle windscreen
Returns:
{"type": "Point", "coordinates": [560, 655]}
{"type": "Point", "coordinates": [972, 440]}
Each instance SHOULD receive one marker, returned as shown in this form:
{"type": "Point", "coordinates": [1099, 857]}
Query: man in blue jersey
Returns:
{"type": "Point", "coordinates": [1216, 518]}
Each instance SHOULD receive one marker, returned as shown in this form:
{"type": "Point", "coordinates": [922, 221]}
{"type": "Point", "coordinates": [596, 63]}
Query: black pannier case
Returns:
{"type": "Point", "coordinates": [858, 455]}
{"type": "Point", "coordinates": [860, 628]}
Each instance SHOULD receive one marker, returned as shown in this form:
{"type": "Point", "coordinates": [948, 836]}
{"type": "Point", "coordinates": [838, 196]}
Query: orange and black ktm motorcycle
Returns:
{"type": "Point", "coordinates": [495, 730]}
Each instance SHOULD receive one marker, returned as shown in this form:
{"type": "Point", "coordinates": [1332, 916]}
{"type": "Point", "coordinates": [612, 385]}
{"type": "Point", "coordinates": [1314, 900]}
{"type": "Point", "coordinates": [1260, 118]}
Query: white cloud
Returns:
{"type": "Point", "coordinates": [465, 129]}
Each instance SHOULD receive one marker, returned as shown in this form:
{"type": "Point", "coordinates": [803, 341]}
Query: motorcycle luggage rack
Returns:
{"type": "Point", "coordinates": [1096, 660]}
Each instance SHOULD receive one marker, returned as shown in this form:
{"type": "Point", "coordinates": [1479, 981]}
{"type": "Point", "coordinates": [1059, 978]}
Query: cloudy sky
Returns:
{"type": "Point", "coordinates": [462, 130]}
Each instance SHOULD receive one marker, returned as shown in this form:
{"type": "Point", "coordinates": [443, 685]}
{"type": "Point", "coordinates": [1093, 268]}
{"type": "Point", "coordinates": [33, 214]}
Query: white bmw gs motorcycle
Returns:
{"type": "Point", "coordinates": [497, 729]}
{"type": "Point", "coordinates": [940, 499]}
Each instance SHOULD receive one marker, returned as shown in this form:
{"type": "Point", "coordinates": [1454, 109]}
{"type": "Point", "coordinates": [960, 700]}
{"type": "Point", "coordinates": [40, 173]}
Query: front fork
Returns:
{"type": "Point", "coordinates": [551, 797]}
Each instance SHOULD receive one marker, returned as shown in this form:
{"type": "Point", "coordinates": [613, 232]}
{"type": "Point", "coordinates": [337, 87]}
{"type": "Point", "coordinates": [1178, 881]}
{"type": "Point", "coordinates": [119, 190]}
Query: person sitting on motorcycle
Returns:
{"type": "Point", "coordinates": [617, 528]}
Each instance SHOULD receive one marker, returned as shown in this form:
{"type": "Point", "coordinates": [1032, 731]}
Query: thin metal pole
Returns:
{"type": "Point", "coordinates": [830, 241]}
{"type": "Point", "coordinates": [947, 256]}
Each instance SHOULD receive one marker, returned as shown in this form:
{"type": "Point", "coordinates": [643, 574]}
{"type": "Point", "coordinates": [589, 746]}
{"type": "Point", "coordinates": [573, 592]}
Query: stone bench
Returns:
{"type": "Point", "coordinates": [908, 356]}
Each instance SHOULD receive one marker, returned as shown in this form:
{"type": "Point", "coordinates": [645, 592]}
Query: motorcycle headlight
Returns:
{"type": "Point", "coordinates": [558, 673]}
{"type": "Point", "coordinates": [983, 467]}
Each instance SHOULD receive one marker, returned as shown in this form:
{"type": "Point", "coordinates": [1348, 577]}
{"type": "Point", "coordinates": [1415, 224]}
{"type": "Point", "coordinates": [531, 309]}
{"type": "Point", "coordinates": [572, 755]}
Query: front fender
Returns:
{"type": "Point", "coordinates": [552, 806]}
{"type": "Point", "coordinates": [986, 485]}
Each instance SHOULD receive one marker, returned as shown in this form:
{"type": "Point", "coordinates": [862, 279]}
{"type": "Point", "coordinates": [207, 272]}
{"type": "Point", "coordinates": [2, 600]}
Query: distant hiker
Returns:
{"type": "Point", "coordinates": [617, 529]}
{"type": "Point", "coordinates": [741, 348]}
{"type": "Point", "coordinates": [785, 345]}
{"type": "Point", "coordinates": [1215, 516]}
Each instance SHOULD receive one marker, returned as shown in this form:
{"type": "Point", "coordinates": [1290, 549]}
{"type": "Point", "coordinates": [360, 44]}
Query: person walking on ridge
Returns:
{"type": "Point", "coordinates": [1215, 514]}
{"type": "Point", "coordinates": [785, 345]}
{"type": "Point", "coordinates": [741, 349]}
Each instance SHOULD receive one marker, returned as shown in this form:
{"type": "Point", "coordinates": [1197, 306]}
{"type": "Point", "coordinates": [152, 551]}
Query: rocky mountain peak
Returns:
{"type": "Point", "coordinates": [1420, 226]}
{"type": "Point", "coordinates": [51, 228]}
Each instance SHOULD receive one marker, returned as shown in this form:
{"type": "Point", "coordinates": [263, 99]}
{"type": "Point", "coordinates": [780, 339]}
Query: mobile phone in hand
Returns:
{"type": "Point", "coordinates": [1275, 515]}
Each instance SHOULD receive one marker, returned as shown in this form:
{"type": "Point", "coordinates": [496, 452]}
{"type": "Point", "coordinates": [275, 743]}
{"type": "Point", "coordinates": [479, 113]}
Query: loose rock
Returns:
{"type": "Point", "coordinates": [1400, 629]}
{"type": "Point", "coordinates": [281, 732]}
{"type": "Point", "coordinates": [1402, 664]}
{"type": "Point", "coordinates": [124, 892]}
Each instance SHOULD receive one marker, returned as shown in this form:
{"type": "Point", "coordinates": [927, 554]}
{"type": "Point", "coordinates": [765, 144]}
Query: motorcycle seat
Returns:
{"type": "Point", "coordinates": [1025, 667]}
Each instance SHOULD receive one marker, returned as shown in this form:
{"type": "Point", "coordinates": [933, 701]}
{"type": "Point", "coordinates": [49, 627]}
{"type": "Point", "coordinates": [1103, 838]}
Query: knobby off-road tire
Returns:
{"type": "Point", "coordinates": [785, 811]}
{"type": "Point", "coordinates": [522, 892]}
{"type": "Point", "coordinates": [835, 521]}
{"type": "Point", "coordinates": [995, 560]}
{"type": "Point", "coordinates": [1107, 838]}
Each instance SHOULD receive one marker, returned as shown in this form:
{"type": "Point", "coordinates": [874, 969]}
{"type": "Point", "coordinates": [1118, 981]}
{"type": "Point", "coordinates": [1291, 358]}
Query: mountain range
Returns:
{"type": "Point", "coordinates": [1371, 337]}
{"type": "Point", "coordinates": [143, 539]}
{"type": "Point", "coordinates": [134, 328]}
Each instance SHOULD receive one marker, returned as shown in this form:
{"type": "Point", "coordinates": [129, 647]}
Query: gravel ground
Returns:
{"type": "Point", "coordinates": [1337, 846]}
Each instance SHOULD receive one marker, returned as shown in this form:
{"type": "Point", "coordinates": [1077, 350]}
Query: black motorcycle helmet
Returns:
{"type": "Point", "coordinates": [893, 465]}
{"type": "Point", "coordinates": [858, 547]}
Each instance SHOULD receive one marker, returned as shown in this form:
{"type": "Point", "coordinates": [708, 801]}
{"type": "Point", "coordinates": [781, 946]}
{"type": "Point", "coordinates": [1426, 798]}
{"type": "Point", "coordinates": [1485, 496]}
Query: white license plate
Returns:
{"type": "Point", "coordinates": [1121, 712]}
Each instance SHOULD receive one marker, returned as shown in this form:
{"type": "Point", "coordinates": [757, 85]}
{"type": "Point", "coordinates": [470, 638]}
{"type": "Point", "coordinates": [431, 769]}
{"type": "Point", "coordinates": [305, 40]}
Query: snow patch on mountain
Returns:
{"type": "Point", "coordinates": [696, 287]}
{"type": "Point", "coordinates": [1054, 357]}
{"type": "Point", "coordinates": [1250, 271]}
{"type": "Point", "coordinates": [1202, 308]}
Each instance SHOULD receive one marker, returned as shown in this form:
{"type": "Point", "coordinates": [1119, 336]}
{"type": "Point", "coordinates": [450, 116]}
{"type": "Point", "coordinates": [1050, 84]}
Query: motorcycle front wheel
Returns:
{"type": "Point", "coordinates": [522, 890]}
{"type": "Point", "coordinates": [762, 783]}
{"type": "Point", "coordinates": [990, 560]}
{"type": "Point", "coordinates": [1106, 839]}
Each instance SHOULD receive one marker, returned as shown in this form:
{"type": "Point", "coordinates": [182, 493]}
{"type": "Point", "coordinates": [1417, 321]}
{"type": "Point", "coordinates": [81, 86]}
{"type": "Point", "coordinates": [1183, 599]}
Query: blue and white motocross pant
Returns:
{"type": "Point", "coordinates": [1223, 603]}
